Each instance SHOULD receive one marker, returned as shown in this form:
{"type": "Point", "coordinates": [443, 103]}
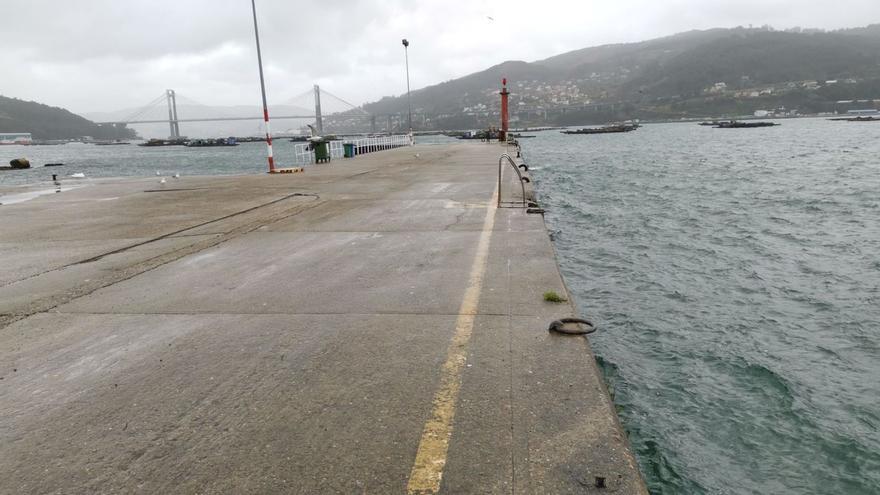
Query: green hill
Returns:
{"type": "Point", "coordinates": [742, 58]}
{"type": "Point", "coordinates": [697, 73]}
{"type": "Point", "coordinates": [45, 122]}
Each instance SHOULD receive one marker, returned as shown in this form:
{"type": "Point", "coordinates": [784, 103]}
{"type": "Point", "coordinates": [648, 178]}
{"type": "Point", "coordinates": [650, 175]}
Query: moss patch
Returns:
{"type": "Point", "coordinates": [552, 296]}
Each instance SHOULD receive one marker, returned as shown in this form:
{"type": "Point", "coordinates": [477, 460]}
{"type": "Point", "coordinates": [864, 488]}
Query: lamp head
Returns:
{"type": "Point", "coordinates": [405, 43]}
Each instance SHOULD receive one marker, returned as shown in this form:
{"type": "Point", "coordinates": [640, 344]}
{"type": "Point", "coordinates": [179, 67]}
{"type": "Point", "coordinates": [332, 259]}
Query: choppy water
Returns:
{"type": "Point", "coordinates": [735, 277]}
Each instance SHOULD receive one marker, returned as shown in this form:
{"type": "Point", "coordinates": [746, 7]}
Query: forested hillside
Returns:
{"type": "Point", "coordinates": [45, 122]}
{"type": "Point", "coordinates": [693, 73]}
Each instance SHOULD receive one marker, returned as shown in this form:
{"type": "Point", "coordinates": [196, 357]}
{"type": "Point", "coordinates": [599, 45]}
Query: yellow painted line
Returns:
{"type": "Point", "coordinates": [430, 459]}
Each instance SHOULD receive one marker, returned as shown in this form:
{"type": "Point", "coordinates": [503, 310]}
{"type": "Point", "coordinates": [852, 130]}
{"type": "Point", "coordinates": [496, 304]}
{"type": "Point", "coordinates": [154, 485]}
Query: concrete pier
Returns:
{"type": "Point", "coordinates": [373, 325]}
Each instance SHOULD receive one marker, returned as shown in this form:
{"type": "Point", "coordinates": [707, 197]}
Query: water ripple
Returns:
{"type": "Point", "coordinates": [738, 284]}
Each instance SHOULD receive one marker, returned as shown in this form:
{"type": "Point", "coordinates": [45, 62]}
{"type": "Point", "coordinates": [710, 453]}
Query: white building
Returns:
{"type": "Point", "coordinates": [15, 138]}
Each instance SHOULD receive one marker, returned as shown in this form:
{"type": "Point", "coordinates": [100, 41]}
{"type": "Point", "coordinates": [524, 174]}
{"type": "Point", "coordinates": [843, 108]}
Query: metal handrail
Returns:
{"type": "Point", "coordinates": [304, 154]}
{"type": "Point", "coordinates": [518, 174]}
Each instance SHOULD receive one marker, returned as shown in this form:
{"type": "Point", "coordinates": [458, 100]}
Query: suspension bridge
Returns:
{"type": "Point", "coordinates": [326, 106]}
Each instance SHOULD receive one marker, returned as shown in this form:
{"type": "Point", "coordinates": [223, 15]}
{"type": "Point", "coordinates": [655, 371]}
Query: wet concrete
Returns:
{"type": "Point", "coordinates": [287, 334]}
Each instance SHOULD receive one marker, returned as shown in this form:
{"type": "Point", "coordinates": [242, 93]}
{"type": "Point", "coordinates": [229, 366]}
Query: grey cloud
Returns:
{"type": "Point", "coordinates": [114, 54]}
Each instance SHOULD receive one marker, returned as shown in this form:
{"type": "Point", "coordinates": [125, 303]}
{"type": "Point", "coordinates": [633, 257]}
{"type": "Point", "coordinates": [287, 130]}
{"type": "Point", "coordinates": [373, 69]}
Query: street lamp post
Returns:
{"type": "Point", "coordinates": [408, 99]}
{"type": "Point", "coordinates": [271, 158]}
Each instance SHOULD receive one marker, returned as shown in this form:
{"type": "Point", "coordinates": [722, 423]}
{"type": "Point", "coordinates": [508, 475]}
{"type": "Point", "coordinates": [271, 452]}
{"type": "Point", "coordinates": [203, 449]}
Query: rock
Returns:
{"type": "Point", "coordinates": [20, 163]}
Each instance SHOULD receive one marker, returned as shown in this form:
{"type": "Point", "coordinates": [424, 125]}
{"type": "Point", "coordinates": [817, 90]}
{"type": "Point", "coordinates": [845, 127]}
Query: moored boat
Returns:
{"type": "Point", "coordinates": [608, 129]}
{"type": "Point", "coordinates": [204, 143]}
{"type": "Point", "coordinates": [164, 142]}
{"type": "Point", "coordinates": [869, 118]}
{"type": "Point", "coordinates": [734, 124]}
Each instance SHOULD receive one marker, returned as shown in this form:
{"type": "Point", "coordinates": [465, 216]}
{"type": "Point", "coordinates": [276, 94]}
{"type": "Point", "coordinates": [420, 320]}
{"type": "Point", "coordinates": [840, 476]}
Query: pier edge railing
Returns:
{"type": "Point", "coordinates": [304, 152]}
{"type": "Point", "coordinates": [522, 180]}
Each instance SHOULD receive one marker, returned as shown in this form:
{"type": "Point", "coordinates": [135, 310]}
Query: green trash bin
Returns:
{"type": "Point", "coordinates": [348, 150]}
{"type": "Point", "coordinates": [322, 151]}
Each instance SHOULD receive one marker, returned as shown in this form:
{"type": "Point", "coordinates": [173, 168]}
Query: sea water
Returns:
{"type": "Point", "coordinates": [735, 277]}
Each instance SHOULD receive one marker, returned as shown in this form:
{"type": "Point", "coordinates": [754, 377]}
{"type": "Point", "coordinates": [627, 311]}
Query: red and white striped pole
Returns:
{"type": "Point", "coordinates": [263, 90]}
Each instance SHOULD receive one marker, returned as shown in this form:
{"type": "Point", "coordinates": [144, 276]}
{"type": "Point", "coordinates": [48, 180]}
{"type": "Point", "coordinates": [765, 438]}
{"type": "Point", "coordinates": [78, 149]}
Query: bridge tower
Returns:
{"type": "Point", "coordinates": [319, 124]}
{"type": "Point", "coordinates": [172, 113]}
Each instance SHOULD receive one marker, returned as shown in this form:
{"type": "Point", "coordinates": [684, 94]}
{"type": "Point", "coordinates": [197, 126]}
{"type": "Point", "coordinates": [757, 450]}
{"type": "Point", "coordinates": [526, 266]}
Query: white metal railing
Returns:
{"type": "Point", "coordinates": [369, 145]}
{"type": "Point", "coordinates": [303, 155]}
{"type": "Point", "coordinates": [336, 149]}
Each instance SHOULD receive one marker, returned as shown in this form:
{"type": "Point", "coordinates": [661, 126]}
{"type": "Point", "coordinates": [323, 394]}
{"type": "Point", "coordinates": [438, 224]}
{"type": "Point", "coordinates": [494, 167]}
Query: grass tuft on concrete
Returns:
{"type": "Point", "coordinates": [552, 296]}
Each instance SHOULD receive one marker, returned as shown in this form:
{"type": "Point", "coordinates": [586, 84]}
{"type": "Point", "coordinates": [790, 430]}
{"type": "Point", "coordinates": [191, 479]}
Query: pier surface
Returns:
{"type": "Point", "coordinates": [374, 325]}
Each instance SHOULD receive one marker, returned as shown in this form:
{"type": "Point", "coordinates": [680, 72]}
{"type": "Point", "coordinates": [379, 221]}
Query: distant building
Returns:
{"type": "Point", "coordinates": [762, 113]}
{"type": "Point", "coordinates": [15, 138]}
{"type": "Point", "coordinates": [718, 87]}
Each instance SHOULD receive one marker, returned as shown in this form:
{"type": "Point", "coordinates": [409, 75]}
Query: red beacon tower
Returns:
{"type": "Point", "coordinates": [505, 118]}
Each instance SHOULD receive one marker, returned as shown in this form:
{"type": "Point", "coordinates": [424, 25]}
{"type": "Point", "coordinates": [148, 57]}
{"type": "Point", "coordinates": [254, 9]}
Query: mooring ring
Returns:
{"type": "Point", "coordinates": [558, 326]}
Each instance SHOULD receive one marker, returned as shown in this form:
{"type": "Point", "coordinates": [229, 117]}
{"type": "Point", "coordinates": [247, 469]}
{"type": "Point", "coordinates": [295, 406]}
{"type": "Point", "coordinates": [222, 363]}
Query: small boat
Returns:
{"type": "Point", "coordinates": [109, 143]}
{"type": "Point", "coordinates": [733, 124]}
{"type": "Point", "coordinates": [164, 142]}
{"type": "Point", "coordinates": [608, 129]}
{"type": "Point", "coordinates": [482, 135]}
{"type": "Point", "coordinates": [204, 143]}
{"type": "Point", "coordinates": [859, 119]}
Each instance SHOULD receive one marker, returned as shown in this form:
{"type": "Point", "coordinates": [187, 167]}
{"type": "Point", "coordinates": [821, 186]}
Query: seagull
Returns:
{"type": "Point", "coordinates": [162, 180]}
{"type": "Point", "coordinates": [176, 176]}
{"type": "Point", "coordinates": [416, 155]}
{"type": "Point", "coordinates": [490, 18]}
{"type": "Point", "coordinates": [157, 173]}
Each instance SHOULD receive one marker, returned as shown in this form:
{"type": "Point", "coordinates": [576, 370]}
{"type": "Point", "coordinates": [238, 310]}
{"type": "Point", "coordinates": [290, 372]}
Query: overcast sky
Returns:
{"type": "Point", "coordinates": [103, 55]}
